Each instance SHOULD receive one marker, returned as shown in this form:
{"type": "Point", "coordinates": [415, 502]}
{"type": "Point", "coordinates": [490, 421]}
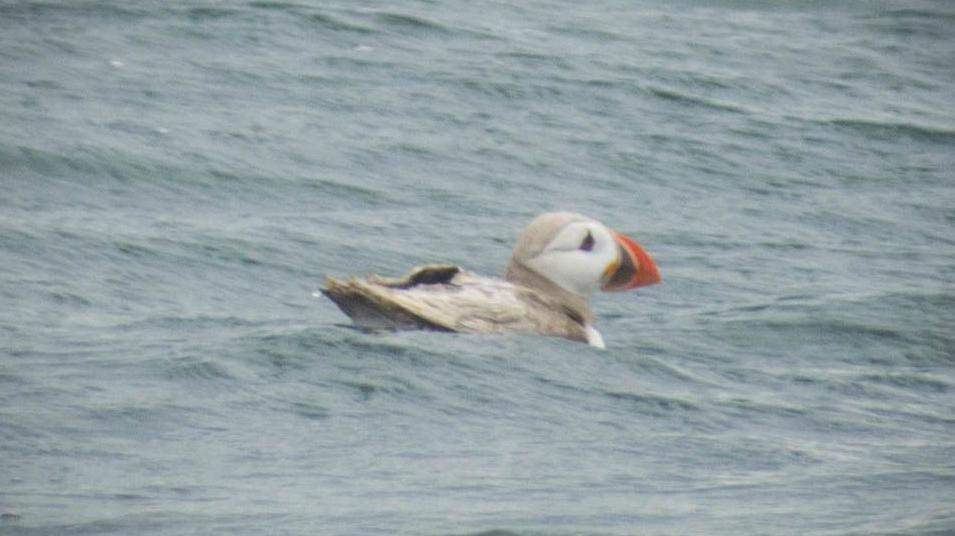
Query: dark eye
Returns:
{"type": "Point", "coordinates": [588, 243]}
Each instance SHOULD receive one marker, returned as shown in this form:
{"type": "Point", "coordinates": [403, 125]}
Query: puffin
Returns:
{"type": "Point", "coordinates": [559, 261]}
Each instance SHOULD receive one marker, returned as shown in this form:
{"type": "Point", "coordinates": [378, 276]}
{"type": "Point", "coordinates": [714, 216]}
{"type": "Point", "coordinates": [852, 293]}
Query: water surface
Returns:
{"type": "Point", "coordinates": [179, 177]}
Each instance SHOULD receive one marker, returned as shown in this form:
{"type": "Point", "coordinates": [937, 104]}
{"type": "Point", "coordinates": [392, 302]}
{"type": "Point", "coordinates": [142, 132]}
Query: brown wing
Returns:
{"type": "Point", "coordinates": [447, 298]}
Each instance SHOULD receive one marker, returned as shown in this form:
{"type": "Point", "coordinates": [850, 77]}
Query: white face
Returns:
{"type": "Point", "coordinates": [577, 257]}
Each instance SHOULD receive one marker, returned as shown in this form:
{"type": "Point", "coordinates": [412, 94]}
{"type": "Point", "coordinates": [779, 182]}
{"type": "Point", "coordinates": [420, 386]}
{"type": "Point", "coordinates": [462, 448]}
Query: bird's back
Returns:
{"type": "Point", "coordinates": [447, 298]}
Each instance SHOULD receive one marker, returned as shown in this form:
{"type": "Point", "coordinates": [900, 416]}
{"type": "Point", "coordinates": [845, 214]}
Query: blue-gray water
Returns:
{"type": "Point", "coordinates": [178, 177]}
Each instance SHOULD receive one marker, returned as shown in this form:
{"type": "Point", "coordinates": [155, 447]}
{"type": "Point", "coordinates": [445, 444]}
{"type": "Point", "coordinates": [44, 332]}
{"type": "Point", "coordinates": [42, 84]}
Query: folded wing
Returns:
{"type": "Point", "coordinates": [447, 298]}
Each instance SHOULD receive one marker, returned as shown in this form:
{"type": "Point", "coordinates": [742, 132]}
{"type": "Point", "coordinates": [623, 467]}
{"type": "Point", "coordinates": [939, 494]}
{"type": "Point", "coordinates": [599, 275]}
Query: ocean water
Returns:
{"type": "Point", "coordinates": [178, 177]}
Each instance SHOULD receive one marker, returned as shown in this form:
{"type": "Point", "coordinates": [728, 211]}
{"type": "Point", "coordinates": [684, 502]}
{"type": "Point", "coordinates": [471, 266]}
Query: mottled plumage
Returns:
{"type": "Point", "coordinates": [447, 298]}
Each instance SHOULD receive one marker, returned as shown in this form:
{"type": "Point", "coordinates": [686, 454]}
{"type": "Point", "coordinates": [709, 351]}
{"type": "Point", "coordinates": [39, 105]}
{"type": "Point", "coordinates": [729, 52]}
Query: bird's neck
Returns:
{"type": "Point", "coordinates": [576, 304]}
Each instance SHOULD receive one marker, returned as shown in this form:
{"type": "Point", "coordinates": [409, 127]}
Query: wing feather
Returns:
{"type": "Point", "coordinates": [450, 299]}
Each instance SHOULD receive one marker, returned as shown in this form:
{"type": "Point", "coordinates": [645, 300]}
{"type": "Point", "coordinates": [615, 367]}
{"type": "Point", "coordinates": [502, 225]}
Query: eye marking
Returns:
{"type": "Point", "coordinates": [588, 243]}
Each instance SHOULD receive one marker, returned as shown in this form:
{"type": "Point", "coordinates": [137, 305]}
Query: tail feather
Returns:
{"type": "Point", "coordinates": [369, 309]}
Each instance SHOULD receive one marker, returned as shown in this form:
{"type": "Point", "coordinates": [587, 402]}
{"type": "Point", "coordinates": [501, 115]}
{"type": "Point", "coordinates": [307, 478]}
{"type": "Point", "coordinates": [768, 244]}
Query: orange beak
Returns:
{"type": "Point", "coordinates": [633, 267]}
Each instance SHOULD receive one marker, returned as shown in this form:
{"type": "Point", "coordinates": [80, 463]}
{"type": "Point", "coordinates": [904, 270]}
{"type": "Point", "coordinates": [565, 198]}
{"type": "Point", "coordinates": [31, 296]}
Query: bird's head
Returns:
{"type": "Point", "coordinates": [582, 255]}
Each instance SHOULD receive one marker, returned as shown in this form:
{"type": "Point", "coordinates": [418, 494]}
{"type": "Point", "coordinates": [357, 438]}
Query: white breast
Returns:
{"type": "Point", "coordinates": [594, 338]}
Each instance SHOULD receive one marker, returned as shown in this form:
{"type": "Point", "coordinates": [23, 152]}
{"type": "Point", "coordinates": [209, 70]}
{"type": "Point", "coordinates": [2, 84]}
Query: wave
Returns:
{"type": "Point", "coordinates": [892, 129]}
{"type": "Point", "coordinates": [311, 17]}
{"type": "Point", "coordinates": [911, 23]}
{"type": "Point", "coordinates": [28, 11]}
{"type": "Point", "coordinates": [191, 368]}
{"type": "Point", "coordinates": [412, 24]}
{"type": "Point", "coordinates": [653, 403]}
{"type": "Point", "coordinates": [686, 98]}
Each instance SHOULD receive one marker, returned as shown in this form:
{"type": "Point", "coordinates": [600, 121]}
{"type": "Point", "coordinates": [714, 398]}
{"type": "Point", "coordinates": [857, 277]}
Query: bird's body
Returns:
{"type": "Point", "coordinates": [447, 298]}
{"type": "Point", "coordinates": [558, 260]}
